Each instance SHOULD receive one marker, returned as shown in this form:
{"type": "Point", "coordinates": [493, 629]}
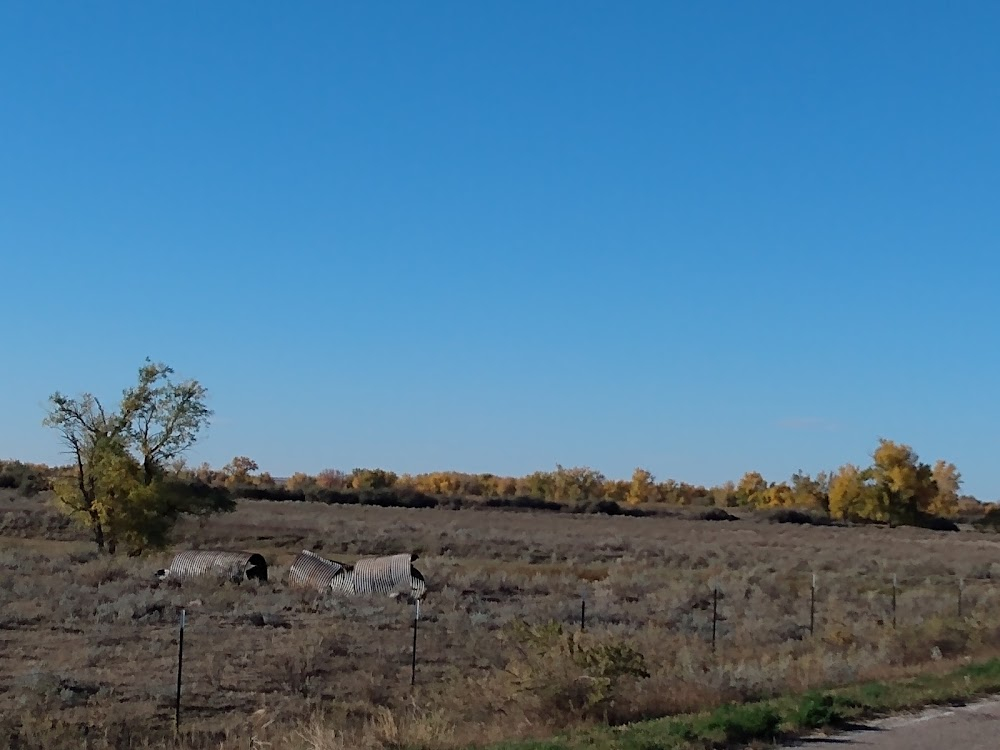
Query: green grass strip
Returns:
{"type": "Point", "coordinates": [786, 718]}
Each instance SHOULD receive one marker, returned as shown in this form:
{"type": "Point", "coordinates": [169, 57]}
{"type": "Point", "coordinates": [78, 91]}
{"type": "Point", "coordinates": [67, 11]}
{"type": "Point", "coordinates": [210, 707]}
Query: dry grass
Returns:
{"type": "Point", "coordinates": [91, 642]}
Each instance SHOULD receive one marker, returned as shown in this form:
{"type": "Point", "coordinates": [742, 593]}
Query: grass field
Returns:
{"type": "Point", "coordinates": [89, 643]}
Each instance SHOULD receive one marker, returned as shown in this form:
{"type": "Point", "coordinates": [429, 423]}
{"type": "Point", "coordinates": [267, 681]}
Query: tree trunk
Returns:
{"type": "Point", "coordinates": [98, 531]}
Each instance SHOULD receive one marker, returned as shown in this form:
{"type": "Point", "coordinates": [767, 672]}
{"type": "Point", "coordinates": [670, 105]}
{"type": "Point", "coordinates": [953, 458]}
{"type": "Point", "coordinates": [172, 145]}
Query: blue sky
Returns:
{"type": "Point", "coordinates": [702, 238]}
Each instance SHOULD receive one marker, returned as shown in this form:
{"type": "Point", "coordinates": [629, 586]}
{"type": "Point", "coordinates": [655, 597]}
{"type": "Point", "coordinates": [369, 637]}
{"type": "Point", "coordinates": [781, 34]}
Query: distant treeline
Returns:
{"type": "Point", "coordinates": [407, 497]}
{"type": "Point", "coordinates": [27, 479]}
{"type": "Point", "coordinates": [896, 488]}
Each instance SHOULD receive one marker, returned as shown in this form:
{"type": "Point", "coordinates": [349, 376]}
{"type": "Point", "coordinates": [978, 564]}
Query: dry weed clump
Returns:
{"type": "Point", "coordinates": [500, 652]}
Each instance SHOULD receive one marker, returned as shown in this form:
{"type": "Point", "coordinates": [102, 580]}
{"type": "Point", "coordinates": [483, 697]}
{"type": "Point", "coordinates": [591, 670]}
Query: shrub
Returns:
{"type": "Point", "coordinates": [523, 502]}
{"type": "Point", "coordinates": [986, 670]}
{"type": "Point", "coordinates": [743, 724]}
{"type": "Point", "coordinates": [935, 523]}
{"type": "Point", "coordinates": [872, 693]}
{"type": "Point", "coordinates": [717, 514]}
{"type": "Point", "coordinates": [816, 710]}
{"type": "Point", "coordinates": [571, 673]}
{"type": "Point", "coordinates": [276, 494]}
{"type": "Point", "coordinates": [989, 522]}
{"type": "Point", "coordinates": [607, 507]}
{"type": "Point", "coordinates": [792, 515]}
{"type": "Point", "coordinates": [391, 498]}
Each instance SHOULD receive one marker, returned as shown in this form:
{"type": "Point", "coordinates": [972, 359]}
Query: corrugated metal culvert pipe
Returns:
{"type": "Point", "coordinates": [236, 566]}
{"type": "Point", "coordinates": [391, 575]}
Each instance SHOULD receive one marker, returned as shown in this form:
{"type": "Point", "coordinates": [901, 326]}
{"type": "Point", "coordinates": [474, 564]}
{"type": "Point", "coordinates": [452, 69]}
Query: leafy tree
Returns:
{"type": "Point", "coordinates": [617, 490]}
{"type": "Point", "coordinates": [161, 418]}
{"type": "Point", "coordinates": [239, 471]}
{"type": "Point", "coordinates": [851, 496]}
{"type": "Point", "coordinates": [809, 492]}
{"type": "Point", "coordinates": [208, 475]}
{"type": "Point", "coordinates": [264, 479]}
{"type": "Point", "coordinates": [779, 495]}
{"type": "Point", "coordinates": [505, 486]}
{"type": "Point", "coordinates": [119, 484]}
{"type": "Point", "coordinates": [576, 484]}
{"type": "Point", "coordinates": [897, 488]}
{"type": "Point", "coordinates": [906, 485]}
{"type": "Point", "coordinates": [642, 488]}
{"type": "Point", "coordinates": [372, 479]}
{"type": "Point", "coordinates": [752, 489]}
{"type": "Point", "coordinates": [948, 481]}
{"type": "Point", "coordinates": [536, 484]}
{"type": "Point", "coordinates": [331, 479]}
{"type": "Point", "coordinates": [448, 483]}
{"type": "Point", "coordinates": [300, 481]}
{"type": "Point", "coordinates": [724, 496]}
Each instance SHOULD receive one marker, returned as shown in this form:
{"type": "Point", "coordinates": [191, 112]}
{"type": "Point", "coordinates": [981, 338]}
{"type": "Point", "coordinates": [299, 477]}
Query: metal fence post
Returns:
{"type": "Point", "coordinates": [715, 614]}
{"type": "Point", "coordinates": [812, 606]}
{"type": "Point", "coordinates": [893, 601]}
{"type": "Point", "coordinates": [180, 667]}
{"type": "Point", "coordinates": [413, 664]}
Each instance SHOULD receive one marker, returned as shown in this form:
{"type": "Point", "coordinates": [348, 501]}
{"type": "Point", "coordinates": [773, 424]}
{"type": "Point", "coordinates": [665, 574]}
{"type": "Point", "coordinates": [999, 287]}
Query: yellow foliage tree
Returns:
{"type": "Point", "coordinates": [948, 480]}
{"type": "Point", "coordinates": [809, 492]}
{"type": "Point", "coordinates": [752, 489]}
{"type": "Point", "coordinates": [896, 488]}
{"type": "Point", "coordinates": [616, 490]}
{"type": "Point", "coordinates": [372, 479]}
{"type": "Point", "coordinates": [505, 486]}
{"type": "Point", "coordinates": [576, 483]}
{"type": "Point", "coordinates": [850, 496]}
{"type": "Point", "coordinates": [331, 479]}
{"type": "Point", "coordinates": [300, 481]}
{"type": "Point", "coordinates": [779, 496]}
{"type": "Point", "coordinates": [642, 488]}
{"type": "Point", "coordinates": [905, 483]}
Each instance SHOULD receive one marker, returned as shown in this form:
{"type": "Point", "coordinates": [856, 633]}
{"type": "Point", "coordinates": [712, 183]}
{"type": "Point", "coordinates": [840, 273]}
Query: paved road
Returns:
{"type": "Point", "coordinates": [972, 727]}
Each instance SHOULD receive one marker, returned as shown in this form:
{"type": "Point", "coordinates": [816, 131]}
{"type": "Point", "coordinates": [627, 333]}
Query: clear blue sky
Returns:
{"type": "Point", "coordinates": [700, 237]}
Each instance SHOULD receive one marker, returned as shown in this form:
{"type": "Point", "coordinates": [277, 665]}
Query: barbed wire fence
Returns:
{"type": "Point", "coordinates": [893, 604]}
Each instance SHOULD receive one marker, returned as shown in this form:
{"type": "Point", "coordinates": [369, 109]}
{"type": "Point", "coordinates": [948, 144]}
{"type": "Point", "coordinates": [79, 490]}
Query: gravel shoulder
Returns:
{"type": "Point", "coordinates": [975, 726]}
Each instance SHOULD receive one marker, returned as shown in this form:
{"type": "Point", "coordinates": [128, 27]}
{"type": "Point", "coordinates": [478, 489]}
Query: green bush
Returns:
{"type": "Point", "coordinates": [987, 670]}
{"type": "Point", "coordinates": [741, 724]}
{"type": "Point", "coordinates": [873, 693]}
{"type": "Point", "coordinates": [816, 710]}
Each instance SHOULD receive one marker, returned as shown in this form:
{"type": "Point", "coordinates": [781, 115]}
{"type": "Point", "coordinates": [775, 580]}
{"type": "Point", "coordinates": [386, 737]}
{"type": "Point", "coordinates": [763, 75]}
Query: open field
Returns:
{"type": "Point", "coordinates": [88, 641]}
